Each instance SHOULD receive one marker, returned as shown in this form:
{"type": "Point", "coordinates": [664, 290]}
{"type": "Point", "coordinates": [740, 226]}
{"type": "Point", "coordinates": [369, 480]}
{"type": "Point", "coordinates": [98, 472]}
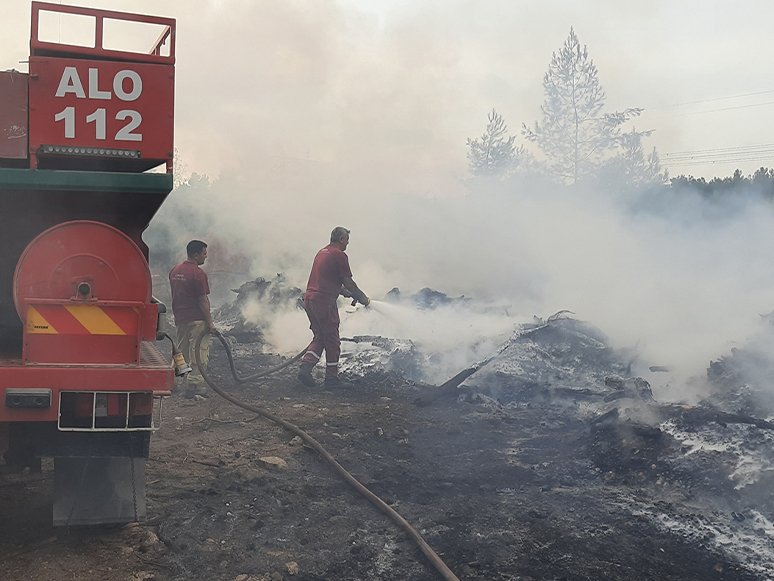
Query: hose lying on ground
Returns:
{"type": "Point", "coordinates": [247, 378]}
{"type": "Point", "coordinates": [434, 559]}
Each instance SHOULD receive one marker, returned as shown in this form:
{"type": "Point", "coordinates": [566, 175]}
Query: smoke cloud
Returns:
{"type": "Point", "coordinates": [312, 116]}
{"type": "Point", "coordinates": [682, 277]}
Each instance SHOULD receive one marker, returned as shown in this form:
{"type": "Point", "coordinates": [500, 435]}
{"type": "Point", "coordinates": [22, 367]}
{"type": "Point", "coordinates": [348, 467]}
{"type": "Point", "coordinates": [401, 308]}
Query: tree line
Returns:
{"type": "Point", "coordinates": [581, 142]}
{"type": "Point", "coordinates": [760, 181]}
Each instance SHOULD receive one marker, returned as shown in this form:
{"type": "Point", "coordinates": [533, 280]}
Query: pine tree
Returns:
{"type": "Point", "coordinates": [494, 153]}
{"type": "Point", "coordinates": [631, 168]}
{"type": "Point", "coordinates": [574, 134]}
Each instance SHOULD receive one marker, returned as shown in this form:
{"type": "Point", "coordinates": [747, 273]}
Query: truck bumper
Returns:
{"type": "Point", "coordinates": [153, 374]}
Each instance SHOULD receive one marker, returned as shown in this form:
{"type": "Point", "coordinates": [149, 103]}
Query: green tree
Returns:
{"type": "Point", "coordinates": [494, 153]}
{"type": "Point", "coordinates": [575, 135]}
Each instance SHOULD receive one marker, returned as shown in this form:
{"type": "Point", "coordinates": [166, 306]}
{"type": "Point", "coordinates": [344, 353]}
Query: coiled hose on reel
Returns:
{"type": "Point", "coordinates": [434, 559]}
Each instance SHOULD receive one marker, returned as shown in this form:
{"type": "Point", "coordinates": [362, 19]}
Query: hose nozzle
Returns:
{"type": "Point", "coordinates": [365, 301]}
{"type": "Point", "coordinates": [181, 367]}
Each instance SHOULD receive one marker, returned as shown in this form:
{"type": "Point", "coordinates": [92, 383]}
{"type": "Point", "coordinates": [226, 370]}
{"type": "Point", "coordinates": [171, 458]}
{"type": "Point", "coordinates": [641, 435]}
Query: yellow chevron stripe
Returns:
{"type": "Point", "coordinates": [94, 319]}
{"type": "Point", "coordinates": [37, 324]}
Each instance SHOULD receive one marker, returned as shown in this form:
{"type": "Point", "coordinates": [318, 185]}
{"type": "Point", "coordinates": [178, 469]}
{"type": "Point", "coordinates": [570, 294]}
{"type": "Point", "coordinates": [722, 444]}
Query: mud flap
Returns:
{"type": "Point", "coordinates": [98, 491]}
{"type": "Point", "coordinates": [4, 438]}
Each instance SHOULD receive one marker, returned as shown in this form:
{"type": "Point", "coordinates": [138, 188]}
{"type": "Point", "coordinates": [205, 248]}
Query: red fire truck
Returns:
{"type": "Point", "coordinates": [80, 378]}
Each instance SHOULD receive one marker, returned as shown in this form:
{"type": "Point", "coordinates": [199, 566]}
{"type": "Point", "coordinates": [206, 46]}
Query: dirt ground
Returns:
{"type": "Point", "coordinates": [525, 492]}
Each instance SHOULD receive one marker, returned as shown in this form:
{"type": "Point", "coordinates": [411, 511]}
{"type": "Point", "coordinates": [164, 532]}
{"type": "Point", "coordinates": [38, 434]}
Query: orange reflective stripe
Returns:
{"type": "Point", "coordinates": [60, 320]}
{"type": "Point", "coordinates": [82, 320]}
{"type": "Point", "coordinates": [36, 323]}
{"type": "Point", "coordinates": [94, 319]}
{"type": "Point", "coordinates": [127, 319]}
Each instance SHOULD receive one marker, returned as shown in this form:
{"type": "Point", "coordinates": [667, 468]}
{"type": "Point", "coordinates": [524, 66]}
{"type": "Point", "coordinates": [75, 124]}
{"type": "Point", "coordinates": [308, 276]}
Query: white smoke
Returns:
{"type": "Point", "coordinates": [327, 116]}
{"type": "Point", "coordinates": [684, 279]}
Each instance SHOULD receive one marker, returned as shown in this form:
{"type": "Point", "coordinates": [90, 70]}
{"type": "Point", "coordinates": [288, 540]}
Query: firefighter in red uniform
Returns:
{"type": "Point", "coordinates": [329, 277]}
{"type": "Point", "coordinates": [191, 308]}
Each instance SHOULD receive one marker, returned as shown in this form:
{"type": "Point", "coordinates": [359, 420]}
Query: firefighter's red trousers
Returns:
{"type": "Point", "coordinates": [324, 323]}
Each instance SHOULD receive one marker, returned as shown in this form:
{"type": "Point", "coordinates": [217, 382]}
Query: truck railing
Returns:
{"type": "Point", "coordinates": [162, 40]}
{"type": "Point", "coordinates": [46, 48]}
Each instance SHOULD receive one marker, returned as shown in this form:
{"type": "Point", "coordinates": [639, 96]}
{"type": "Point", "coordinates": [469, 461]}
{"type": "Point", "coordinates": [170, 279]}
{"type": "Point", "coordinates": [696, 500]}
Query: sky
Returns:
{"type": "Point", "coordinates": [306, 115]}
{"type": "Point", "coordinates": [294, 81]}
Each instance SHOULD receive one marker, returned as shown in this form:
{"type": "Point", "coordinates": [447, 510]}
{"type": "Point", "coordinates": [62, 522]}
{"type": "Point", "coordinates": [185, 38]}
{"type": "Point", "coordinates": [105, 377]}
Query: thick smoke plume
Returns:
{"type": "Point", "coordinates": [683, 277]}
{"type": "Point", "coordinates": [312, 117]}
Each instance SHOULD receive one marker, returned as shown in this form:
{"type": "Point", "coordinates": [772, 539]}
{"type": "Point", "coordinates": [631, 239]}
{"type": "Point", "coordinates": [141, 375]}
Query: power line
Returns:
{"type": "Point", "coordinates": [768, 161]}
{"type": "Point", "coordinates": [720, 155]}
{"type": "Point", "coordinates": [708, 100]}
{"type": "Point", "coordinates": [712, 110]}
{"type": "Point", "coordinates": [700, 158]}
{"type": "Point", "coordinates": [733, 148]}
{"type": "Point", "coordinates": [719, 162]}
{"type": "Point", "coordinates": [724, 109]}
{"type": "Point", "coordinates": [740, 150]}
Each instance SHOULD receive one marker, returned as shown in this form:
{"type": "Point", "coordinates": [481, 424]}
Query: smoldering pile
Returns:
{"type": "Point", "coordinates": [247, 318]}
{"type": "Point", "coordinates": [703, 472]}
{"type": "Point", "coordinates": [713, 461]}
{"type": "Point", "coordinates": [545, 359]}
{"type": "Point", "coordinates": [743, 381]}
{"type": "Point", "coordinates": [425, 298]}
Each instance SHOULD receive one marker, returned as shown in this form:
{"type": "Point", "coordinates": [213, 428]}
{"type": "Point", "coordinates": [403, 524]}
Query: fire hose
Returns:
{"type": "Point", "coordinates": [434, 559]}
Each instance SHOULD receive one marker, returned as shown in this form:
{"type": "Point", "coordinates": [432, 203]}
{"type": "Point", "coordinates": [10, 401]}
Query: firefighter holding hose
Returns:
{"type": "Point", "coordinates": [330, 277]}
{"type": "Point", "coordinates": [191, 308]}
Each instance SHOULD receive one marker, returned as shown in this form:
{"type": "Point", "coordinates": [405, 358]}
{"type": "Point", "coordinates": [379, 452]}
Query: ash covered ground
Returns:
{"type": "Point", "coordinates": [553, 461]}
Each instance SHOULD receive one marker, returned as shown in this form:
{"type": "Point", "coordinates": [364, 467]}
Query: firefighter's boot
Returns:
{"type": "Point", "coordinates": [305, 375]}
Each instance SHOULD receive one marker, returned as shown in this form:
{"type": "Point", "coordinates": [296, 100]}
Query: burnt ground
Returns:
{"type": "Point", "coordinates": [531, 490]}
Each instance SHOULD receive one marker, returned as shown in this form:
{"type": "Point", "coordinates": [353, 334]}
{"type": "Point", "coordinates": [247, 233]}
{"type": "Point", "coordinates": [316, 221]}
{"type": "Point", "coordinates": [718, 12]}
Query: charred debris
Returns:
{"type": "Point", "coordinates": [560, 359]}
{"type": "Point", "coordinates": [708, 465]}
{"type": "Point", "coordinates": [259, 298]}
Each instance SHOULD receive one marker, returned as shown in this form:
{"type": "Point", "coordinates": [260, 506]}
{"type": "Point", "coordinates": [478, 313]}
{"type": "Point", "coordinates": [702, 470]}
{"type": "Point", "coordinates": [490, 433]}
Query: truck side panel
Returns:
{"type": "Point", "coordinates": [14, 135]}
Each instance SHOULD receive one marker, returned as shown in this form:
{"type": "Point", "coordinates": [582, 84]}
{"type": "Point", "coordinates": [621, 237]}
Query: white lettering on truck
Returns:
{"type": "Point", "coordinates": [71, 83]}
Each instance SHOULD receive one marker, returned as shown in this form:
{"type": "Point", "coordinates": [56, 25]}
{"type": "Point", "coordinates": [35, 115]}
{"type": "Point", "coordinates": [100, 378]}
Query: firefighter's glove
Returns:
{"type": "Point", "coordinates": [365, 301]}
